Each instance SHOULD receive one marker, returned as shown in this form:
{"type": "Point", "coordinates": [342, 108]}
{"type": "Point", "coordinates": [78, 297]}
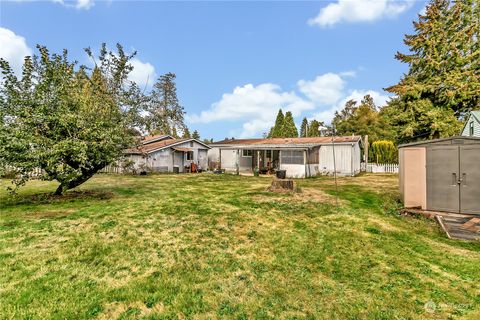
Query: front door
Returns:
{"type": "Point", "coordinates": [470, 179]}
{"type": "Point", "coordinates": [443, 192]}
{"type": "Point", "coordinates": [178, 160]}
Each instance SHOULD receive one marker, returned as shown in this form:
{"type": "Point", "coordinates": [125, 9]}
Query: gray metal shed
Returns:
{"type": "Point", "coordinates": [441, 175]}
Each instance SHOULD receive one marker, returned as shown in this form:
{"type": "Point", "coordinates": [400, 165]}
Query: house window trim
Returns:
{"type": "Point", "coordinates": [186, 155]}
{"type": "Point", "coordinates": [471, 129]}
{"type": "Point", "coordinates": [247, 156]}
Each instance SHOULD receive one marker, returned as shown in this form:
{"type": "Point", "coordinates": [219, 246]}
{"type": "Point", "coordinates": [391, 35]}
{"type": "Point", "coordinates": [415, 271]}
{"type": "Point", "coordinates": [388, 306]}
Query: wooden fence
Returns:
{"type": "Point", "coordinates": [380, 167]}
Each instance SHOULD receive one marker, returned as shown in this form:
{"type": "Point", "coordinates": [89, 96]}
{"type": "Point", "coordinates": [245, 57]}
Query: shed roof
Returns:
{"type": "Point", "coordinates": [288, 141]}
{"type": "Point", "coordinates": [450, 140]}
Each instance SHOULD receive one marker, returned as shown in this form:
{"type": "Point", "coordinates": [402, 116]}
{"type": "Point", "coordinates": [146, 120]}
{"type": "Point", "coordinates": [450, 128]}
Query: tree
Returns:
{"type": "Point", "coordinates": [289, 130]}
{"type": "Point", "coordinates": [313, 128]}
{"type": "Point", "coordinates": [196, 135]}
{"type": "Point", "coordinates": [304, 128]}
{"type": "Point", "coordinates": [165, 115]}
{"type": "Point", "coordinates": [444, 57]}
{"type": "Point", "coordinates": [186, 133]}
{"type": "Point", "coordinates": [64, 119]}
{"type": "Point", "coordinates": [418, 120]}
{"type": "Point", "coordinates": [361, 120]}
{"type": "Point", "coordinates": [276, 130]}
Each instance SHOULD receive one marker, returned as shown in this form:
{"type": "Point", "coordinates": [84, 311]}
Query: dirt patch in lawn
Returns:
{"type": "Point", "coordinates": [43, 198]}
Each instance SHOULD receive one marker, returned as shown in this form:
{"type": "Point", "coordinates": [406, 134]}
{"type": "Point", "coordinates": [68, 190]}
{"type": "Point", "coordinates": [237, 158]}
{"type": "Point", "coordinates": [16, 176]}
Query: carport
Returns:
{"type": "Point", "coordinates": [441, 175]}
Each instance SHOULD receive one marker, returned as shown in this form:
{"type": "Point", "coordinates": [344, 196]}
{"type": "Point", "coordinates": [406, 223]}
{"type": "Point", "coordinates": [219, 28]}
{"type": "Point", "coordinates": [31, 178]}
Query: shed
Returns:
{"type": "Point", "coordinates": [441, 175]}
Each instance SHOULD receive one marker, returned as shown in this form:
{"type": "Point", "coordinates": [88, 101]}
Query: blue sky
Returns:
{"type": "Point", "coordinates": [236, 62]}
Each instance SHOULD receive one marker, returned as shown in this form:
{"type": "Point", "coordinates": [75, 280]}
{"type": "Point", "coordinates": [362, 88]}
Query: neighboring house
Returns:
{"type": "Point", "coordinates": [472, 125]}
{"type": "Point", "coordinates": [162, 153]}
{"type": "Point", "coordinates": [300, 157]}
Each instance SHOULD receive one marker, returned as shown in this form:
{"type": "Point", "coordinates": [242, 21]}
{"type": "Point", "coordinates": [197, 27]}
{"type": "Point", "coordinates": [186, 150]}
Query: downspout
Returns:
{"type": "Point", "coordinates": [351, 160]}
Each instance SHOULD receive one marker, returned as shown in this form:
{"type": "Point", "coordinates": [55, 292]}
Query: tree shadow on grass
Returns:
{"type": "Point", "coordinates": [47, 198]}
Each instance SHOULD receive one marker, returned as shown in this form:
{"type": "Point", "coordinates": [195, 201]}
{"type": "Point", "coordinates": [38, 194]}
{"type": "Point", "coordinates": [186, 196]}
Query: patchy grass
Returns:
{"type": "Point", "coordinates": [220, 246]}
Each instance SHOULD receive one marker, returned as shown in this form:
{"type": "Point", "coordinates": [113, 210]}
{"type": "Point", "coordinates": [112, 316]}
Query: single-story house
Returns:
{"type": "Point", "coordinates": [472, 125]}
{"type": "Point", "coordinates": [300, 157]}
{"type": "Point", "coordinates": [163, 153]}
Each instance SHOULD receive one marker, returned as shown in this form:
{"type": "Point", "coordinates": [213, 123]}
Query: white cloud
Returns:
{"type": "Point", "coordinates": [324, 89]}
{"type": "Point", "coordinates": [143, 73]}
{"type": "Point", "coordinates": [256, 105]}
{"type": "Point", "coordinates": [13, 48]}
{"type": "Point", "coordinates": [77, 4]}
{"type": "Point", "coordinates": [359, 11]}
{"type": "Point", "coordinates": [84, 4]}
{"type": "Point", "coordinates": [357, 95]}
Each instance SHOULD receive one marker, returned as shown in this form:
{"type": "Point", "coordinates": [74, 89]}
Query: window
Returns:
{"type": "Point", "coordinates": [292, 157]}
{"type": "Point", "coordinates": [471, 129]}
{"type": "Point", "coordinates": [191, 143]}
{"type": "Point", "coordinates": [189, 155]}
{"type": "Point", "coordinates": [247, 153]}
{"type": "Point", "coordinates": [269, 154]}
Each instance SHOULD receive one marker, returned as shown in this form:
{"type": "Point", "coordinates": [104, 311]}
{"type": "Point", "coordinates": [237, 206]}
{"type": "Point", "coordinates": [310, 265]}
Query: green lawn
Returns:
{"type": "Point", "coordinates": [219, 246]}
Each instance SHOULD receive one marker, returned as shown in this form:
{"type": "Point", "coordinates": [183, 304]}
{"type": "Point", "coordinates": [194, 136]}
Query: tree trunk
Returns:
{"type": "Point", "coordinates": [67, 185]}
{"type": "Point", "coordinates": [282, 185]}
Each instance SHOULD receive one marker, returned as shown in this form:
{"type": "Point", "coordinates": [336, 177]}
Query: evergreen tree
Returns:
{"type": "Point", "coordinates": [186, 133]}
{"type": "Point", "coordinates": [304, 128]}
{"type": "Point", "coordinates": [418, 120]}
{"type": "Point", "coordinates": [196, 135]}
{"type": "Point", "coordinates": [313, 128]}
{"type": "Point", "coordinates": [444, 58]}
{"type": "Point", "coordinates": [289, 130]}
{"type": "Point", "coordinates": [164, 113]}
{"type": "Point", "coordinates": [276, 131]}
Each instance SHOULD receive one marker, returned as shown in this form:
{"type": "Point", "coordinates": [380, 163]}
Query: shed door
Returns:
{"type": "Point", "coordinates": [470, 175]}
{"type": "Point", "coordinates": [443, 192]}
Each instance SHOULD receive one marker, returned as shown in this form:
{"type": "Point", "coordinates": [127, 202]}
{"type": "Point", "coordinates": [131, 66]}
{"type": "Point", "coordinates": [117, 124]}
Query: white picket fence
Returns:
{"type": "Point", "coordinates": [111, 169]}
{"type": "Point", "coordinates": [380, 167]}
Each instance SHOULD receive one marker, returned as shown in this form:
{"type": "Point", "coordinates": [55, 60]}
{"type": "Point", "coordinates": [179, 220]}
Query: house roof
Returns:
{"type": "Point", "coordinates": [159, 145]}
{"type": "Point", "coordinates": [473, 114]}
{"type": "Point", "coordinates": [290, 142]}
{"type": "Point", "coordinates": [150, 139]}
{"type": "Point", "coordinates": [476, 115]}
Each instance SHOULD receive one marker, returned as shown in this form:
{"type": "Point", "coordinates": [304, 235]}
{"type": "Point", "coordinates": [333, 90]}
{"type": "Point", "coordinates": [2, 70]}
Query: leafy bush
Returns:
{"type": "Point", "coordinates": [384, 151]}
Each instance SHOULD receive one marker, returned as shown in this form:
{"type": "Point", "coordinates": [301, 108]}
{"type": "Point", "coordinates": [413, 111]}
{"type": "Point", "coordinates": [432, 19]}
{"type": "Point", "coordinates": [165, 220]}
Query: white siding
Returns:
{"type": "Point", "coordinates": [294, 170]}
{"type": "Point", "coordinates": [347, 159]}
{"type": "Point", "coordinates": [476, 127]}
{"type": "Point", "coordinates": [229, 161]}
{"type": "Point", "coordinates": [162, 160]}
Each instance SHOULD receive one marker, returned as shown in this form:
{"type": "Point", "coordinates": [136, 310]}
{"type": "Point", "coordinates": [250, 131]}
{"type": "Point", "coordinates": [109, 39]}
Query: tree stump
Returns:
{"type": "Point", "coordinates": [282, 185]}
